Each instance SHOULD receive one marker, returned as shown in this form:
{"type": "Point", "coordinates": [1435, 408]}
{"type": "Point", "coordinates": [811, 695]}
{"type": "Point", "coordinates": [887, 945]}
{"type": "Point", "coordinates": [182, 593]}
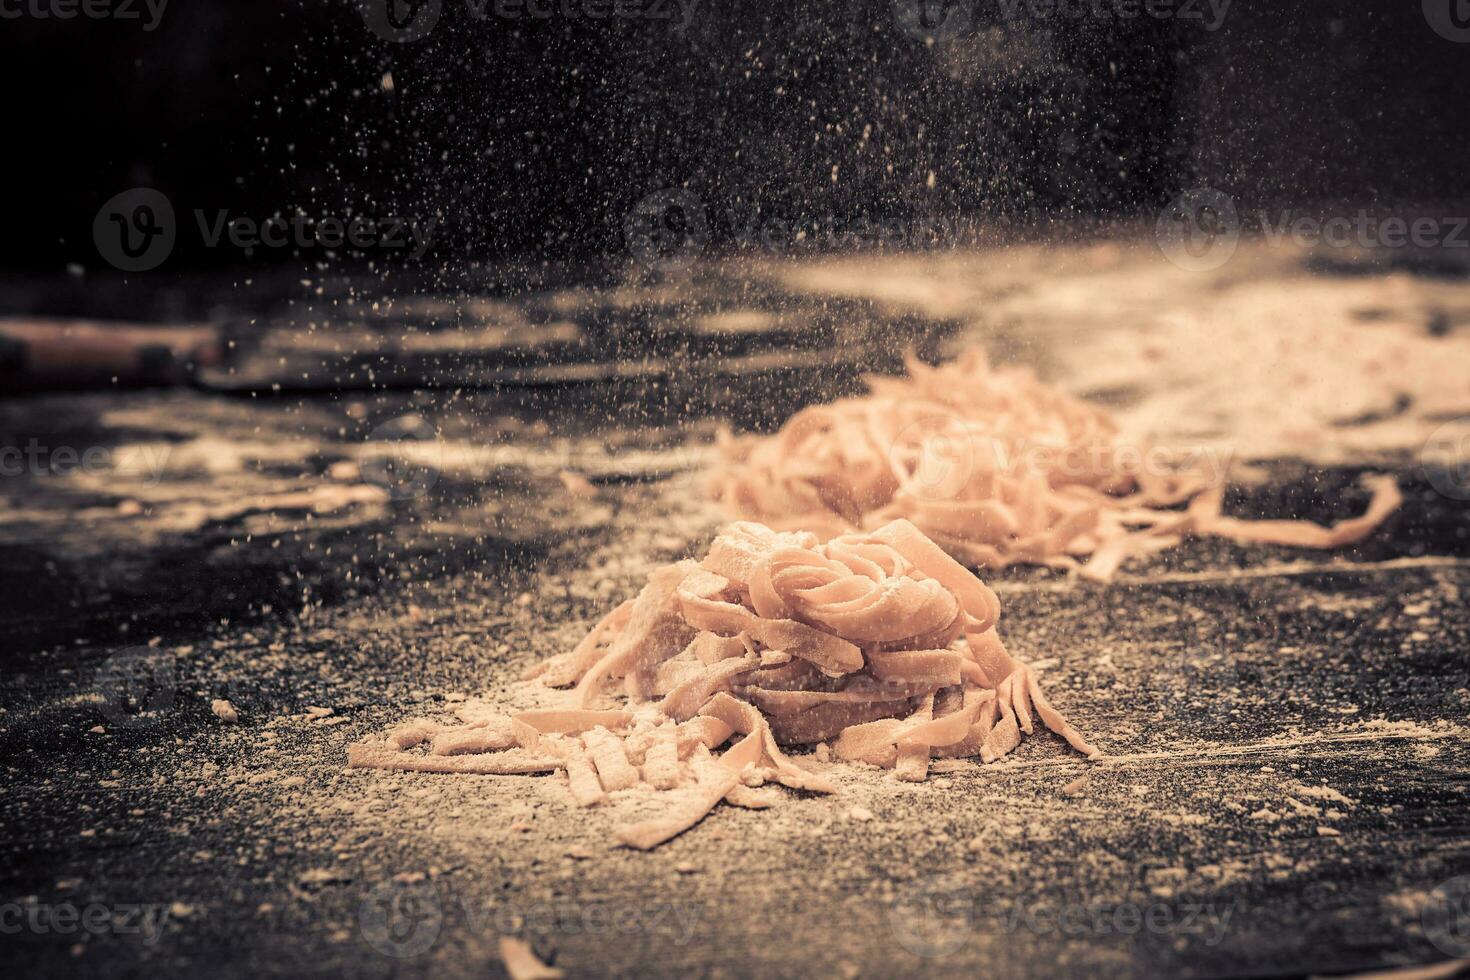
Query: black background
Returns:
{"type": "Point", "coordinates": [532, 138]}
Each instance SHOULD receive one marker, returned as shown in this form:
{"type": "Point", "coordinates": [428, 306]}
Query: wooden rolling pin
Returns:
{"type": "Point", "coordinates": [41, 354]}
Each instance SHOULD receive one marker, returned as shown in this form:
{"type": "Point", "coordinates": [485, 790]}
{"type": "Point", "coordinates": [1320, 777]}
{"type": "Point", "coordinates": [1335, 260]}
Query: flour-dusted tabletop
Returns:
{"type": "Point", "coordinates": [366, 520]}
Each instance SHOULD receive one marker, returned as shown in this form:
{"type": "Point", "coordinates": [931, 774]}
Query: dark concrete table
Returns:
{"type": "Point", "coordinates": [1288, 751]}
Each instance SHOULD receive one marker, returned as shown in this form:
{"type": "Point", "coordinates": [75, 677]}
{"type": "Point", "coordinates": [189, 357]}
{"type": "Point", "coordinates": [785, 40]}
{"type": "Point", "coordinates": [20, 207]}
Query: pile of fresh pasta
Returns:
{"type": "Point", "coordinates": [876, 647]}
{"type": "Point", "coordinates": [856, 627]}
{"type": "Point", "coordinates": [998, 469]}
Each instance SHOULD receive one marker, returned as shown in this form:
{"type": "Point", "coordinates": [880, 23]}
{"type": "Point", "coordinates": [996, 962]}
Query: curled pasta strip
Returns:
{"type": "Point", "coordinates": [865, 598]}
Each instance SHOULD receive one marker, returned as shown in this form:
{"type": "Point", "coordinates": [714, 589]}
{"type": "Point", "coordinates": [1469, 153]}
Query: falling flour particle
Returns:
{"type": "Point", "coordinates": [224, 710]}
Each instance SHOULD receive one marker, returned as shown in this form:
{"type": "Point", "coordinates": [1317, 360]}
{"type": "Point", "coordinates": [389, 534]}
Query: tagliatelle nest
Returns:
{"type": "Point", "coordinates": [878, 643]}
{"type": "Point", "coordinates": [997, 468]}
